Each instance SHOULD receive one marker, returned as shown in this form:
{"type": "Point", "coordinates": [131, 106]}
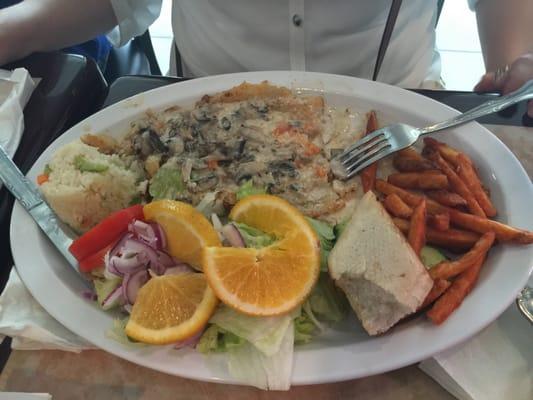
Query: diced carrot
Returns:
{"type": "Point", "coordinates": [42, 179]}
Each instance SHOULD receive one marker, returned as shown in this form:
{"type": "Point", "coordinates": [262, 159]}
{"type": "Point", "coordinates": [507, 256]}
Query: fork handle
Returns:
{"type": "Point", "coordinates": [523, 93]}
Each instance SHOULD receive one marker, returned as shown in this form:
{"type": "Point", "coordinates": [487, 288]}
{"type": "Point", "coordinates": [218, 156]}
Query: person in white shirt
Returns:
{"type": "Point", "coordinates": [338, 36]}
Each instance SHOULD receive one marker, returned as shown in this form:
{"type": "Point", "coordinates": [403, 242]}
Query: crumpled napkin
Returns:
{"type": "Point", "coordinates": [16, 88]}
{"type": "Point", "coordinates": [496, 364]}
{"type": "Point", "coordinates": [30, 326]}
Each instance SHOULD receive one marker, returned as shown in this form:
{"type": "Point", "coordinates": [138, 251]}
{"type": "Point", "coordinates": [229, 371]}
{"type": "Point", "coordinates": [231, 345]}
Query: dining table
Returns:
{"type": "Point", "coordinates": [72, 88]}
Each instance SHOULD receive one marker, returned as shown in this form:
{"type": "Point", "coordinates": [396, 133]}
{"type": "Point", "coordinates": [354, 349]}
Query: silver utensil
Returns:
{"type": "Point", "coordinates": [30, 198]}
{"type": "Point", "coordinates": [392, 138]}
{"type": "Point", "coordinates": [524, 301]}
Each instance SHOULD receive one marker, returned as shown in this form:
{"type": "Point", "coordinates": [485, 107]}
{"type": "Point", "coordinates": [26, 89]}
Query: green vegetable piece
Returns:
{"type": "Point", "coordinates": [254, 237]}
{"type": "Point", "coordinates": [166, 184]}
{"type": "Point", "coordinates": [247, 189]}
{"type": "Point", "coordinates": [327, 302]}
{"type": "Point", "coordinates": [430, 256]}
{"type": "Point", "coordinates": [326, 236]}
{"type": "Point", "coordinates": [47, 169]}
{"type": "Point", "coordinates": [304, 329]}
{"type": "Point", "coordinates": [339, 228]}
{"type": "Point", "coordinates": [117, 332]}
{"type": "Point", "coordinates": [218, 340]}
{"type": "Point", "coordinates": [104, 287]}
{"type": "Point", "coordinates": [84, 165]}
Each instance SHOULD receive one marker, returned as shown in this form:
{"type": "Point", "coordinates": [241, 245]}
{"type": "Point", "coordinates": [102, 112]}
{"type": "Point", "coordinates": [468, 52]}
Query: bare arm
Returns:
{"type": "Point", "coordinates": [42, 25]}
{"type": "Point", "coordinates": [505, 30]}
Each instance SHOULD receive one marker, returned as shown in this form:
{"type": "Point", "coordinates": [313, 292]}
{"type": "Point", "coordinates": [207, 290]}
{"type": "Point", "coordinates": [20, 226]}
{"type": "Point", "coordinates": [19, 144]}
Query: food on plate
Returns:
{"type": "Point", "coordinates": [417, 229]}
{"type": "Point", "coordinates": [171, 308]}
{"type": "Point", "coordinates": [454, 296]}
{"type": "Point", "coordinates": [449, 269]}
{"type": "Point", "coordinates": [419, 180]}
{"type": "Point", "coordinates": [469, 176]}
{"type": "Point", "coordinates": [221, 227]}
{"type": "Point", "coordinates": [446, 198]}
{"type": "Point", "coordinates": [270, 280]}
{"type": "Point", "coordinates": [457, 184]}
{"type": "Point", "coordinates": [186, 229]}
{"type": "Point", "coordinates": [259, 135]}
{"type": "Point", "coordinates": [84, 186]}
{"type": "Point", "coordinates": [377, 269]}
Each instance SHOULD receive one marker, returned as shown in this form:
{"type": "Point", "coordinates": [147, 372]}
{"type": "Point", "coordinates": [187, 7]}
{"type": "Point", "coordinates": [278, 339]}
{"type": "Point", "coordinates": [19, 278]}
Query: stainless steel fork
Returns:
{"type": "Point", "coordinates": [392, 138]}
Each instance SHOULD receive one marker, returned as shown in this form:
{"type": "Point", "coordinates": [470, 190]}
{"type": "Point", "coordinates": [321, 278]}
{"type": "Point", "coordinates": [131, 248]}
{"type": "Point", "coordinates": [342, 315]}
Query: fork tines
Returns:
{"type": "Point", "coordinates": [360, 155]}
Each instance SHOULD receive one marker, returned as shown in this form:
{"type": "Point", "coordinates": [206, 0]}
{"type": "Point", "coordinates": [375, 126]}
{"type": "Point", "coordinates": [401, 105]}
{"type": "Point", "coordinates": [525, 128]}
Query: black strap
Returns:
{"type": "Point", "coordinates": [387, 33]}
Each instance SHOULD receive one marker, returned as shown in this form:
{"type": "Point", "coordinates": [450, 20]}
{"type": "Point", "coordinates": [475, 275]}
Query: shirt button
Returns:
{"type": "Point", "coordinates": [296, 20]}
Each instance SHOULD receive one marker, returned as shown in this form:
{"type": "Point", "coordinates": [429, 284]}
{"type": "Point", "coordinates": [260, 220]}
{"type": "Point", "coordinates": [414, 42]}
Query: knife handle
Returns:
{"type": "Point", "coordinates": [25, 192]}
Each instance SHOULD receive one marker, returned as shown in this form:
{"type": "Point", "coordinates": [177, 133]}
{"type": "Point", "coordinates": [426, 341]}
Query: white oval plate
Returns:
{"type": "Point", "coordinates": [342, 354]}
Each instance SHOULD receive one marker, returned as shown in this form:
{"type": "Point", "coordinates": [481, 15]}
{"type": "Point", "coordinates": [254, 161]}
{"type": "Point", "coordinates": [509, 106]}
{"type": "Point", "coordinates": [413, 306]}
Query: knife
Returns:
{"type": "Point", "coordinates": [29, 197]}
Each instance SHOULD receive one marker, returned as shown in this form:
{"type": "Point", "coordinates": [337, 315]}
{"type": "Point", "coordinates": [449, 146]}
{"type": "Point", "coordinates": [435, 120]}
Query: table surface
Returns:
{"type": "Point", "coordinates": [96, 374]}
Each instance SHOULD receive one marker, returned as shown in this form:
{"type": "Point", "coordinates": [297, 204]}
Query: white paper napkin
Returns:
{"type": "Point", "coordinates": [15, 90]}
{"type": "Point", "coordinates": [496, 364]}
{"type": "Point", "coordinates": [30, 326]}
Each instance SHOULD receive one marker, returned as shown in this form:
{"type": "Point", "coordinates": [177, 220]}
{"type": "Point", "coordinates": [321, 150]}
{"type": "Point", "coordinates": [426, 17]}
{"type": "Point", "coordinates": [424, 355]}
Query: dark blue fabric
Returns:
{"type": "Point", "coordinates": [98, 49]}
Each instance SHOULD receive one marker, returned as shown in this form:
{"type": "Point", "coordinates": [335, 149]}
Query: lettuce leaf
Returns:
{"type": "Point", "coordinates": [304, 329]}
{"type": "Point", "coordinates": [218, 340]}
{"type": "Point", "coordinates": [117, 332]}
{"type": "Point", "coordinates": [326, 301]}
{"type": "Point", "coordinates": [327, 240]}
{"type": "Point", "coordinates": [265, 333]}
{"type": "Point", "coordinates": [166, 184]}
{"type": "Point", "coordinates": [339, 228]}
{"type": "Point", "coordinates": [273, 372]}
{"type": "Point", "coordinates": [254, 237]}
{"type": "Point", "coordinates": [247, 189]}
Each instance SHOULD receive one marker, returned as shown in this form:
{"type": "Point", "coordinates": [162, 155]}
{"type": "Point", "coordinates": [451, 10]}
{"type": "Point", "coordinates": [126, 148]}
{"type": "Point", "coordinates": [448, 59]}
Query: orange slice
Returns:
{"type": "Point", "coordinates": [272, 280]}
{"type": "Point", "coordinates": [187, 230]}
{"type": "Point", "coordinates": [171, 308]}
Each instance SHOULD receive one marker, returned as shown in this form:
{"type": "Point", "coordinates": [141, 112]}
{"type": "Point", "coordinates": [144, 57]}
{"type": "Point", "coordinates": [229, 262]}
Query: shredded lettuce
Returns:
{"type": "Point", "coordinates": [218, 340]}
{"type": "Point", "coordinates": [431, 256]}
{"type": "Point", "coordinates": [327, 240]}
{"type": "Point", "coordinates": [253, 367]}
{"type": "Point", "coordinates": [104, 287]}
{"type": "Point", "coordinates": [339, 228]}
{"type": "Point", "coordinates": [265, 333]}
{"type": "Point", "coordinates": [304, 329]}
{"type": "Point", "coordinates": [326, 301]}
{"type": "Point", "coordinates": [118, 333]}
{"type": "Point", "coordinates": [166, 184]}
{"type": "Point", "coordinates": [247, 189]}
{"type": "Point", "coordinates": [254, 237]}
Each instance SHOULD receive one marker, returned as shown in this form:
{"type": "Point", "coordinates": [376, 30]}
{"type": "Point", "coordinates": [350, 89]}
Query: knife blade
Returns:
{"type": "Point", "coordinates": [29, 197]}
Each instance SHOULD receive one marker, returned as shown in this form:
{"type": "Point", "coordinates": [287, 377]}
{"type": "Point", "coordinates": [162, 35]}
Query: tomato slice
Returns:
{"type": "Point", "coordinates": [95, 260]}
{"type": "Point", "coordinates": [105, 232]}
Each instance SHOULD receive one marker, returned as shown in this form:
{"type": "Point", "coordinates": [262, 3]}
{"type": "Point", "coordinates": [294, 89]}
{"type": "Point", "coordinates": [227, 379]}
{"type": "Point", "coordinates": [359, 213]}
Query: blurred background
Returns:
{"type": "Point", "coordinates": [457, 41]}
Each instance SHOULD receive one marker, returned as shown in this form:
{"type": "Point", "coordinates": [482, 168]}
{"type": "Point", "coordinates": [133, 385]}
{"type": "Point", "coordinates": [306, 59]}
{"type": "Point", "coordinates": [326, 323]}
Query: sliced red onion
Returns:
{"type": "Point", "coordinates": [89, 295]}
{"type": "Point", "coordinates": [150, 233]}
{"type": "Point", "coordinates": [110, 272]}
{"type": "Point", "coordinates": [117, 248]}
{"type": "Point", "coordinates": [114, 298]}
{"type": "Point", "coordinates": [160, 235]}
{"type": "Point", "coordinates": [233, 236]}
{"type": "Point", "coordinates": [191, 342]}
{"type": "Point", "coordinates": [178, 269]}
{"type": "Point", "coordinates": [127, 308]}
{"type": "Point", "coordinates": [128, 263]}
{"type": "Point", "coordinates": [132, 283]}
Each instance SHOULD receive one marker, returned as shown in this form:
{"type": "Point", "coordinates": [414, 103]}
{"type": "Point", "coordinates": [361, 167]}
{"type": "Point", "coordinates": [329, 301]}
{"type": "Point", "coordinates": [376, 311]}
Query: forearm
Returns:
{"type": "Point", "coordinates": [505, 30]}
{"type": "Point", "coordinates": [43, 25]}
